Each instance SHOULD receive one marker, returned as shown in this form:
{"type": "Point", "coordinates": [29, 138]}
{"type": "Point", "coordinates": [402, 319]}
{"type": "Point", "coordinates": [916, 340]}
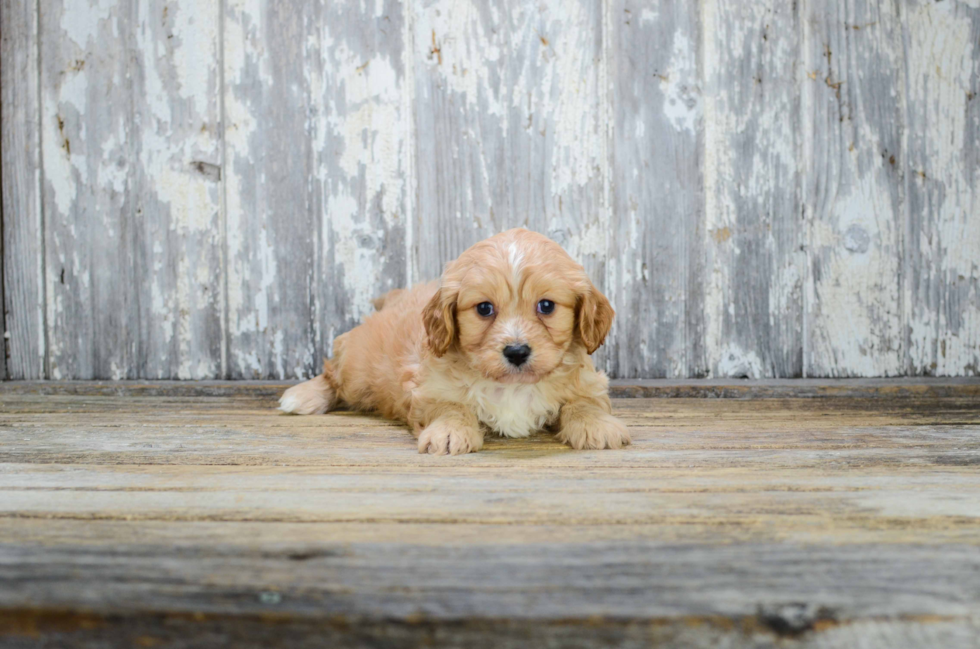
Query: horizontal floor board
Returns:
{"type": "Point", "coordinates": [134, 518]}
{"type": "Point", "coordinates": [620, 388]}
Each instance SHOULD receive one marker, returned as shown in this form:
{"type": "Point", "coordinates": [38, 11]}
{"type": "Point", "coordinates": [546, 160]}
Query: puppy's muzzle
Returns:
{"type": "Point", "coordinates": [517, 355]}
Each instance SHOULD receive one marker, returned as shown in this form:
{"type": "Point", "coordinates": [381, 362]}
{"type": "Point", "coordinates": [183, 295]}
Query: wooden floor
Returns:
{"type": "Point", "coordinates": [155, 515]}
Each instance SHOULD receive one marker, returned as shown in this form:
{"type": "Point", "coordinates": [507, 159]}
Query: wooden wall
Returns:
{"type": "Point", "coordinates": [218, 189]}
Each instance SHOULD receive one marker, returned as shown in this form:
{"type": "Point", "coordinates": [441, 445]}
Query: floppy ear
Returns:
{"type": "Point", "coordinates": [595, 316]}
{"type": "Point", "coordinates": [439, 318]}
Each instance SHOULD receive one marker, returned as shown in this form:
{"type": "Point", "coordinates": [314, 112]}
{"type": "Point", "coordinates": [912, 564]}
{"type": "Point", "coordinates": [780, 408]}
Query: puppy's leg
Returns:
{"type": "Point", "coordinates": [313, 397]}
{"type": "Point", "coordinates": [588, 423]}
{"type": "Point", "coordinates": [454, 430]}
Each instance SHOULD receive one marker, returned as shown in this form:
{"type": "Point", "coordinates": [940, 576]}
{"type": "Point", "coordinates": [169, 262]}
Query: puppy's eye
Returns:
{"type": "Point", "coordinates": [485, 309]}
{"type": "Point", "coordinates": [545, 307]}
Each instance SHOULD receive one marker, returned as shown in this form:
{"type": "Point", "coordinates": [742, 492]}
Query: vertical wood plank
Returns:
{"type": "Point", "coordinates": [23, 291]}
{"type": "Point", "coordinates": [942, 258]}
{"type": "Point", "coordinates": [655, 256]}
{"type": "Point", "coordinates": [130, 143]}
{"type": "Point", "coordinates": [753, 233]}
{"type": "Point", "coordinates": [177, 181]}
{"type": "Point", "coordinates": [509, 131]}
{"type": "Point", "coordinates": [363, 117]}
{"type": "Point", "coordinates": [854, 197]}
{"type": "Point", "coordinates": [270, 154]}
{"type": "Point", "coordinates": [89, 150]}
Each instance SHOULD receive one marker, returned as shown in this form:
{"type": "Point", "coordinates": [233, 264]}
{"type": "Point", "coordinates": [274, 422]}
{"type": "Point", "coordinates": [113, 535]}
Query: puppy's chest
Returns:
{"type": "Point", "coordinates": [514, 410]}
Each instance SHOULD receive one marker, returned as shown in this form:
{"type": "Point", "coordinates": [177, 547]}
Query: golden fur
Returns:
{"type": "Point", "coordinates": [430, 359]}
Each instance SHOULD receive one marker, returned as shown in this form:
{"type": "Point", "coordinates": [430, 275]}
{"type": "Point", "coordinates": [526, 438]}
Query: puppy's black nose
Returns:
{"type": "Point", "coordinates": [517, 354]}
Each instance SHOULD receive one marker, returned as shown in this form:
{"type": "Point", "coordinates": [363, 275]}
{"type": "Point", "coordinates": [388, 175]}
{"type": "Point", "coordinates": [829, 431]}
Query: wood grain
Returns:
{"type": "Point", "coordinates": [178, 247]}
{"type": "Point", "coordinates": [508, 130]}
{"type": "Point", "coordinates": [753, 234]}
{"type": "Point", "coordinates": [270, 161]}
{"type": "Point", "coordinates": [655, 258]}
{"type": "Point", "coordinates": [854, 197]}
{"type": "Point", "coordinates": [131, 151]}
{"type": "Point", "coordinates": [171, 521]}
{"type": "Point", "coordinates": [20, 184]}
{"type": "Point", "coordinates": [942, 277]}
{"type": "Point", "coordinates": [364, 119]}
{"type": "Point", "coordinates": [918, 389]}
{"type": "Point", "coordinates": [89, 149]}
{"type": "Point", "coordinates": [763, 190]}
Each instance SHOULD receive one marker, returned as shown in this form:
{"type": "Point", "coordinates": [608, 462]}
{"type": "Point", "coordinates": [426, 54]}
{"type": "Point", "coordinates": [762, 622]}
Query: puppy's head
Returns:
{"type": "Point", "coordinates": [511, 306]}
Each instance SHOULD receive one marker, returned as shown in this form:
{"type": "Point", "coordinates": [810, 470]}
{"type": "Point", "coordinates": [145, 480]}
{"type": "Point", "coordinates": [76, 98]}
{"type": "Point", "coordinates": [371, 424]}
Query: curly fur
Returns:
{"type": "Point", "coordinates": [429, 359]}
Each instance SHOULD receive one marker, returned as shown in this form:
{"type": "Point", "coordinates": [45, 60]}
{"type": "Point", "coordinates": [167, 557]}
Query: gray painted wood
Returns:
{"type": "Point", "coordinates": [270, 162]}
{"type": "Point", "coordinates": [656, 269]}
{"type": "Point", "coordinates": [178, 246]}
{"type": "Point", "coordinates": [770, 522]}
{"type": "Point", "coordinates": [509, 126]}
{"type": "Point", "coordinates": [88, 141]}
{"type": "Point", "coordinates": [753, 233]}
{"type": "Point", "coordinates": [762, 189]}
{"type": "Point", "coordinates": [853, 130]}
{"type": "Point", "coordinates": [364, 154]}
{"type": "Point", "coordinates": [942, 253]}
{"type": "Point", "coordinates": [23, 305]}
{"type": "Point", "coordinates": [131, 144]}
{"type": "Point", "coordinates": [317, 144]}
{"type": "Point", "coordinates": [916, 391]}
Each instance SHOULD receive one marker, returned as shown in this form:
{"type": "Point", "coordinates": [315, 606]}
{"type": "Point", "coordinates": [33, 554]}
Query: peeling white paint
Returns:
{"type": "Point", "coordinates": [942, 70]}
{"type": "Point", "coordinates": [735, 362]}
{"type": "Point", "coordinates": [80, 20]}
{"type": "Point", "coordinates": [680, 85]}
{"type": "Point", "coordinates": [524, 96]}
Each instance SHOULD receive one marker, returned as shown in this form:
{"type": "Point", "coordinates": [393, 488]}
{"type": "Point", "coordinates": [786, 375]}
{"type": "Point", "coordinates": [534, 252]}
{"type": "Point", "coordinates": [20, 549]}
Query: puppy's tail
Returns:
{"type": "Point", "coordinates": [313, 397]}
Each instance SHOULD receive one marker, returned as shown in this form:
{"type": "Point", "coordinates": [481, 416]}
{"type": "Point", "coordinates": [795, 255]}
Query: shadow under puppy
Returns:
{"type": "Point", "coordinates": [502, 342]}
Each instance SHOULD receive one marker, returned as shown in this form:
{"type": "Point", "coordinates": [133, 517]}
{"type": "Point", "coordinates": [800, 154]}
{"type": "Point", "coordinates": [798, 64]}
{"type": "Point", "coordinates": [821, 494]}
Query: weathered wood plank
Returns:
{"type": "Point", "coordinates": [753, 233]}
{"type": "Point", "coordinates": [629, 581]}
{"type": "Point", "coordinates": [942, 256]}
{"type": "Point", "coordinates": [916, 389]}
{"type": "Point", "coordinates": [847, 127]}
{"type": "Point", "coordinates": [655, 257]}
{"type": "Point", "coordinates": [317, 186]}
{"type": "Point", "coordinates": [713, 499]}
{"type": "Point", "coordinates": [177, 190]}
{"type": "Point", "coordinates": [746, 523]}
{"type": "Point", "coordinates": [361, 100]}
{"type": "Point", "coordinates": [20, 176]}
{"type": "Point", "coordinates": [130, 148]}
{"type": "Point", "coordinates": [853, 196]}
{"type": "Point", "coordinates": [669, 435]}
{"type": "Point", "coordinates": [794, 625]}
{"type": "Point", "coordinates": [270, 163]}
{"type": "Point", "coordinates": [509, 127]}
{"type": "Point", "coordinates": [89, 149]}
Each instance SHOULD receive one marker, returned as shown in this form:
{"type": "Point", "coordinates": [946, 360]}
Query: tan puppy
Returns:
{"type": "Point", "coordinates": [502, 343]}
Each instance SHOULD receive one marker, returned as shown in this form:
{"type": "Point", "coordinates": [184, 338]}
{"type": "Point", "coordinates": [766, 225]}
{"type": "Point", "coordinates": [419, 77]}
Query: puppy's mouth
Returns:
{"type": "Point", "coordinates": [519, 375]}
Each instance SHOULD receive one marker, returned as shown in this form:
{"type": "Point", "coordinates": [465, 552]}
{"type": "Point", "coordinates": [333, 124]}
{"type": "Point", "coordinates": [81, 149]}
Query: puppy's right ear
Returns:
{"type": "Point", "coordinates": [439, 318]}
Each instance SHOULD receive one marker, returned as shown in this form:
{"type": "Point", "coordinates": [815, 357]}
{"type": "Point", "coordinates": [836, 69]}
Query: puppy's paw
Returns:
{"type": "Point", "coordinates": [594, 430]}
{"type": "Point", "coordinates": [443, 437]}
{"type": "Point", "coordinates": [313, 397]}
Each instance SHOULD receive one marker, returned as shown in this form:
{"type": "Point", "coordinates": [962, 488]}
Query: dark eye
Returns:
{"type": "Point", "coordinates": [545, 307]}
{"type": "Point", "coordinates": [485, 309]}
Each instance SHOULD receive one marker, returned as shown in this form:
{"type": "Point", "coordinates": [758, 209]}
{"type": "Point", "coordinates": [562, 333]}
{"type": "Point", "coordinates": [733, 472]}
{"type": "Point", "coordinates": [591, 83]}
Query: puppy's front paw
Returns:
{"type": "Point", "coordinates": [450, 438]}
{"type": "Point", "coordinates": [594, 431]}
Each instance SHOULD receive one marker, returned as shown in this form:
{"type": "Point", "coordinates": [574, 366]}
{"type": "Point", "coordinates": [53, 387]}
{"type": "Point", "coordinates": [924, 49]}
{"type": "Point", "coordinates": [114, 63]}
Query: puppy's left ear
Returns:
{"type": "Point", "coordinates": [595, 317]}
{"type": "Point", "coordinates": [439, 318]}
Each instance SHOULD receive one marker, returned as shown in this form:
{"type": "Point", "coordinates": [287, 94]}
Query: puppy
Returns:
{"type": "Point", "coordinates": [502, 342]}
